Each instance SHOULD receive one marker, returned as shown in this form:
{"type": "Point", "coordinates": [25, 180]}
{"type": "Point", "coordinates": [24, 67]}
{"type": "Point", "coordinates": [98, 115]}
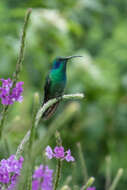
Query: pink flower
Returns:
{"type": "Point", "coordinates": [68, 157]}
{"type": "Point", "coordinates": [10, 171]}
{"type": "Point", "coordinates": [59, 153]}
{"type": "Point", "coordinates": [49, 152]}
{"type": "Point", "coordinates": [42, 178]}
{"type": "Point", "coordinates": [8, 95]}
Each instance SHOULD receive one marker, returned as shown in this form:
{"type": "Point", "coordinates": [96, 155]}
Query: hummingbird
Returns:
{"type": "Point", "coordinates": [55, 83]}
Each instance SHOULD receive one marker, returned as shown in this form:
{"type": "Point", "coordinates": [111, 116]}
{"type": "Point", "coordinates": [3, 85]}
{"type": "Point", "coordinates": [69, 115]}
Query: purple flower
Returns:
{"type": "Point", "coordinates": [49, 152]}
{"type": "Point", "coordinates": [91, 188]}
{"type": "Point", "coordinates": [68, 157]}
{"type": "Point", "coordinates": [42, 178]}
{"type": "Point", "coordinates": [8, 95]}
{"type": "Point", "coordinates": [4, 175]}
{"type": "Point", "coordinates": [59, 153]}
{"type": "Point", "coordinates": [10, 170]}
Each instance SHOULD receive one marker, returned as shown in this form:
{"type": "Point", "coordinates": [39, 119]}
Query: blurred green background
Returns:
{"type": "Point", "coordinates": [95, 29]}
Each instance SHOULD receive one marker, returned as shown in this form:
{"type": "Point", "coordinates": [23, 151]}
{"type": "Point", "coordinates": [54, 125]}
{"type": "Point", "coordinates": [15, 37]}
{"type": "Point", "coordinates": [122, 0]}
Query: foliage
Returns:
{"type": "Point", "coordinates": [95, 29]}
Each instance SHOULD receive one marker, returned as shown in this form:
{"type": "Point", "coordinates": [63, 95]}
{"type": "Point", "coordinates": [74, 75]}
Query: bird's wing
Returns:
{"type": "Point", "coordinates": [46, 89]}
{"type": "Point", "coordinates": [48, 113]}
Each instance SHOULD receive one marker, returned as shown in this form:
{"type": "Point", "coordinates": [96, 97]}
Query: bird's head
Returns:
{"type": "Point", "coordinates": [61, 61]}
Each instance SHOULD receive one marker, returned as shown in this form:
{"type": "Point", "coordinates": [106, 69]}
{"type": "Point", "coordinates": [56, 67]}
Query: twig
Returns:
{"type": "Point", "coordinates": [58, 172]}
{"type": "Point", "coordinates": [89, 183]}
{"type": "Point", "coordinates": [68, 112]}
{"type": "Point", "coordinates": [52, 101]}
{"type": "Point", "coordinates": [38, 117]}
{"type": "Point", "coordinates": [59, 163]}
{"type": "Point", "coordinates": [18, 68]}
{"type": "Point", "coordinates": [108, 172]}
{"type": "Point", "coordinates": [22, 145]}
{"type": "Point", "coordinates": [116, 180]}
{"type": "Point", "coordinates": [22, 47]}
{"type": "Point", "coordinates": [83, 163]}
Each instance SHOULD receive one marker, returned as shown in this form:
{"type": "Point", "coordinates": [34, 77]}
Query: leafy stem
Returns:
{"type": "Point", "coordinates": [58, 172]}
{"type": "Point", "coordinates": [18, 67]}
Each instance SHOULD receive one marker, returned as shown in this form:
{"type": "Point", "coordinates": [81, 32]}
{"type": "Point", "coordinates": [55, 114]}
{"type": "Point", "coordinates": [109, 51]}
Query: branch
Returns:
{"type": "Point", "coordinates": [18, 67]}
{"type": "Point", "coordinates": [22, 144]}
{"type": "Point", "coordinates": [39, 115]}
{"type": "Point", "coordinates": [22, 48]}
{"type": "Point", "coordinates": [58, 173]}
{"type": "Point", "coordinates": [52, 101]}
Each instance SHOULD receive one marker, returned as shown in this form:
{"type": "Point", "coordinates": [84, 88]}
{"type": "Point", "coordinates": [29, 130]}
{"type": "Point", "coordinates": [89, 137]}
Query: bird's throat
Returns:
{"type": "Point", "coordinates": [58, 74]}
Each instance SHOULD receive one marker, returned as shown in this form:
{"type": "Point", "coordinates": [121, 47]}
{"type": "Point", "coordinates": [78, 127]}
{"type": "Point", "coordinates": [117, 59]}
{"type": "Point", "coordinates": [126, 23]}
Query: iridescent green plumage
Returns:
{"type": "Point", "coordinates": [55, 83]}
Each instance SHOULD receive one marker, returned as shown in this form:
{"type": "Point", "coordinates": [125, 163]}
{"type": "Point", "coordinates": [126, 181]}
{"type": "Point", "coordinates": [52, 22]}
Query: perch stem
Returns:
{"type": "Point", "coordinates": [38, 117]}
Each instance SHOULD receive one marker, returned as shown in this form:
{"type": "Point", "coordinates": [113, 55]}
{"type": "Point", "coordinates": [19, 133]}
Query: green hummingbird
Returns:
{"type": "Point", "coordinates": [55, 83]}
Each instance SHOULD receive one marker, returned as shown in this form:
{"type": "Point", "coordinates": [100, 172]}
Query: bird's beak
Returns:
{"type": "Point", "coordinates": [70, 57]}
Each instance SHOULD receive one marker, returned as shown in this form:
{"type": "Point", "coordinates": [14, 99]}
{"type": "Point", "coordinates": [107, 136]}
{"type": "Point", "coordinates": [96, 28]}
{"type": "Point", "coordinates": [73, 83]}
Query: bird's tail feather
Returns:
{"type": "Point", "coordinates": [50, 111]}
